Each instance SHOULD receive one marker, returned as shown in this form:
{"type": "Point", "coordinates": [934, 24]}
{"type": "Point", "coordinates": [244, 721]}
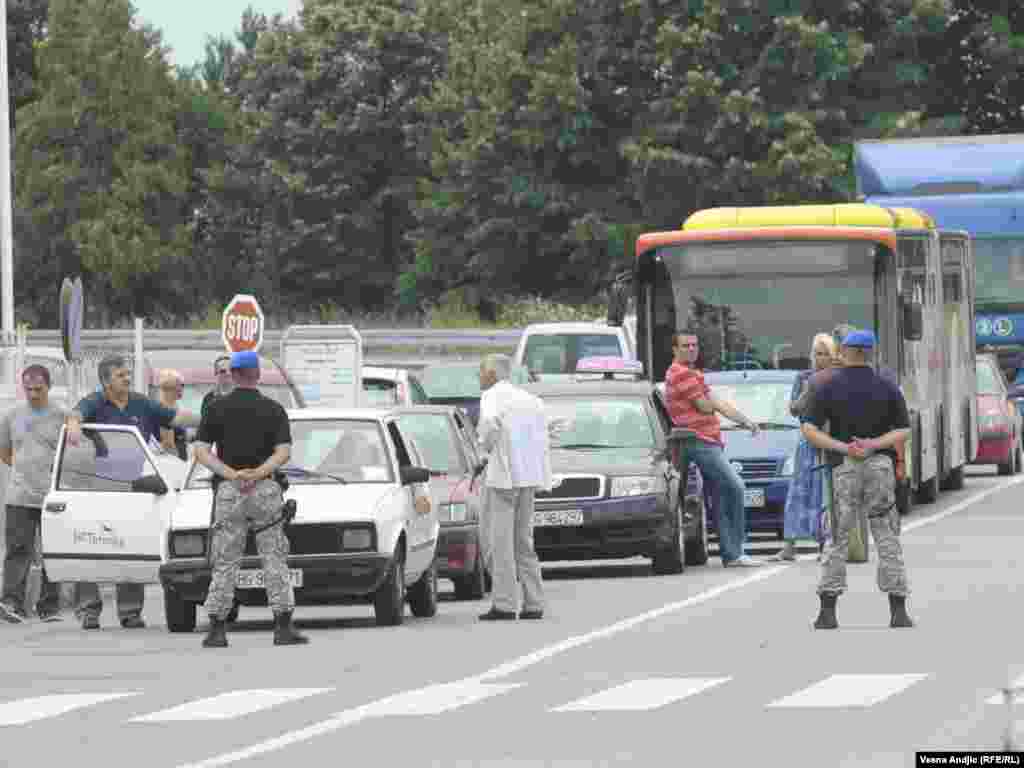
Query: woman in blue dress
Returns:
{"type": "Point", "coordinates": [804, 502]}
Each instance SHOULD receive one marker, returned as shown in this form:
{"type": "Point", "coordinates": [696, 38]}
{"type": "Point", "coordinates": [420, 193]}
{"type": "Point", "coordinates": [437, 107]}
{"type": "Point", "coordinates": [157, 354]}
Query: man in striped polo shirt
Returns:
{"type": "Point", "coordinates": [692, 406]}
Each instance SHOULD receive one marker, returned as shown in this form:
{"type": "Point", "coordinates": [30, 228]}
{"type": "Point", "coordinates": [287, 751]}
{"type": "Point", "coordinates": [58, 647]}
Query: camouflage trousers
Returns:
{"type": "Point", "coordinates": [234, 514]}
{"type": "Point", "coordinates": [865, 486]}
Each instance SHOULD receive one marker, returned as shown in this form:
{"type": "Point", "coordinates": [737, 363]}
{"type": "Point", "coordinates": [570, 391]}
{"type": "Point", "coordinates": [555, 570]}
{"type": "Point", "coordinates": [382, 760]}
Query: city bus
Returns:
{"type": "Point", "coordinates": [970, 183]}
{"type": "Point", "coordinates": [757, 283]}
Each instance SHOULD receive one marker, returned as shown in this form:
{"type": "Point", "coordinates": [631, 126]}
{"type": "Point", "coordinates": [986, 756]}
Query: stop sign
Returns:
{"type": "Point", "coordinates": [242, 325]}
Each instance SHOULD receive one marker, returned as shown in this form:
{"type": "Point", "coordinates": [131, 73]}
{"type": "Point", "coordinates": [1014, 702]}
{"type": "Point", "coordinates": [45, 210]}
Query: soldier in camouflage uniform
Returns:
{"type": "Point", "coordinates": [253, 439]}
{"type": "Point", "coordinates": [867, 417]}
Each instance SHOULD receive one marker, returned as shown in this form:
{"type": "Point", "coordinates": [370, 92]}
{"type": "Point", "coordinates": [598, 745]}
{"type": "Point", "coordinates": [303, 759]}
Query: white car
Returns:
{"type": "Point", "coordinates": [551, 351]}
{"type": "Point", "coordinates": [386, 387]}
{"type": "Point", "coordinates": [118, 512]}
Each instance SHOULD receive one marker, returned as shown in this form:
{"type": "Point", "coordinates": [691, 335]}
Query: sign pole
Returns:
{"type": "Point", "coordinates": [6, 215]}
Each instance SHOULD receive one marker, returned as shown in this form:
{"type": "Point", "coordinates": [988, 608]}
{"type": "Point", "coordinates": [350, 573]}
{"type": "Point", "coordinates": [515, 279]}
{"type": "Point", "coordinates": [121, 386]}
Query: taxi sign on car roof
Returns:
{"type": "Point", "coordinates": [607, 367]}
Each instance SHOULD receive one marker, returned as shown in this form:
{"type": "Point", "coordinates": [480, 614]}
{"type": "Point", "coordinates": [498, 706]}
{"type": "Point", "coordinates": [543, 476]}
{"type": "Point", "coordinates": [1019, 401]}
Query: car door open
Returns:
{"type": "Point", "coordinates": [105, 515]}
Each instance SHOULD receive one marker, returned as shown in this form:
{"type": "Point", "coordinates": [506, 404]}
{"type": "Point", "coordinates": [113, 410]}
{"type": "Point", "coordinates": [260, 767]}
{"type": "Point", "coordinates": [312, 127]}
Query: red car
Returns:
{"type": "Point", "coordinates": [999, 424]}
{"type": "Point", "coordinates": [447, 440]}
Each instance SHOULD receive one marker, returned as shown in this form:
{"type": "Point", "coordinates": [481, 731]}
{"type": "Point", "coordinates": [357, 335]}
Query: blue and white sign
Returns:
{"type": "Point", "coordinates": [983, 326]}
{"type": "Point", "coordinates": [1002, 326]}
{"type": "Point", "coordinates": [1000, 330]}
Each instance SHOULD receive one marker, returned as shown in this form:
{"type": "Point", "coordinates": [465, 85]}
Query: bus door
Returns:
{"type": "Point", "coordinates": [960, 384]}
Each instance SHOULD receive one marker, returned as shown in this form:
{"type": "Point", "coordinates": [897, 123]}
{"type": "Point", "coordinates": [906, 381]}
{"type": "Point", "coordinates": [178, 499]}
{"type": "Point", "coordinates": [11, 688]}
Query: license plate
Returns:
{"type": "Point", "coordinates": [753, 497]}
{"type": "Point", "coordinates": [254, 579]}
{"type": "Point", "coordinates": [558, 517]}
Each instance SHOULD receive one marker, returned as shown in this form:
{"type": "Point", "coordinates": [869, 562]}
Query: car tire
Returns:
{"type": "Point", "coordinates": [389, 599]}
{"type": "Point", "coordinates": [472, 586]}
{"type": "Point", "coordinates": [1007, 467]}
{"type": "Point", "coordinates": [180, 614]}
{"type": "Point", "coordinates": [697, 546]}
{"type": "Point", "coordinates": [672, 559]}
{"type": "Point", "coordinates": [423, 594]}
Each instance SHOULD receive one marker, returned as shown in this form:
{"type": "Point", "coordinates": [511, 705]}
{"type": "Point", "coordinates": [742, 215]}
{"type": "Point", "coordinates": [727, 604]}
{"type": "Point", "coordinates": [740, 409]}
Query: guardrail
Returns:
{"type": "Point", "coordinates": [373, 339]}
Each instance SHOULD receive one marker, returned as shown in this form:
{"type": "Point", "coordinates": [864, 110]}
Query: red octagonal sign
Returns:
{"type": "Point", "coordinates": [242, 325]}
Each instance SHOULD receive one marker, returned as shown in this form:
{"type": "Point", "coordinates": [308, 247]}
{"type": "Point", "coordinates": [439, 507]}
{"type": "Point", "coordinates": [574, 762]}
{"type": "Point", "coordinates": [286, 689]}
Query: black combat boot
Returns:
{"type": "Point", "coordinates": [827, 616]}
{"type": "Point", "coordinates": [284, 632]}
{"type": "Point", "coordinates": [217, 636]}
{"type": "Point", "coordinates": [898, 610]}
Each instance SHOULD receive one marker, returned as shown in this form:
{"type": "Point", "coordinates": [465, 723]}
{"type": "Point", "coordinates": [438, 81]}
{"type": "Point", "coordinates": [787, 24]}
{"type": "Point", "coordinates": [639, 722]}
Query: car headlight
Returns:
{"type": "Point", "coordinates": [634, 486]}
{"type": "Point", "coordinates": [357, 538]}
{"type": "Point", "coordinates": [454, 512]}
{"type": "Point", "coordinates": [187, 544]}
{"type": "Point", "coordinates": [789, 465]}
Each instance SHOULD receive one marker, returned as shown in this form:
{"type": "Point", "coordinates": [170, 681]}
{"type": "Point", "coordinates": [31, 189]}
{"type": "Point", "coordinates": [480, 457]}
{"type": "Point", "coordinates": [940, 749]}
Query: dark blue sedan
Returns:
{"type": "Point", "coordinates": [764, 462]}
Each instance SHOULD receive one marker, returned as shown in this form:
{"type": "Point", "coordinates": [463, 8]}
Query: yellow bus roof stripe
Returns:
{"type": "Point", "coordinates": [838, 215]}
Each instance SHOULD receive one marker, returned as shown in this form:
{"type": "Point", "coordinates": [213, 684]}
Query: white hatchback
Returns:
{"type": "Point", "coordinates": [360, 534]}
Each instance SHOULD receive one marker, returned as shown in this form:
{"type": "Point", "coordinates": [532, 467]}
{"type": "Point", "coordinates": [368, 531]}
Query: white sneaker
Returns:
{"type": "Point", "coordinates": [743, 561]}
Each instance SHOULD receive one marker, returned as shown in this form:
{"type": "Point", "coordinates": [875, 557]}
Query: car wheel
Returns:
{"type": "Point", "coordinates": [389, 599]}
{"type": "Point", "coordinates": [672, 559]}
{"type": "Point", "coordinates": [1007, 467]}
{"type": "Point", "coordinates": [180, 614]}
{"type": "Point", "coordinates": [472, 586]}
{"type": "Point", "coordinates": [697, 547]}
{"type": "Point", "coordinates": [423, 594]}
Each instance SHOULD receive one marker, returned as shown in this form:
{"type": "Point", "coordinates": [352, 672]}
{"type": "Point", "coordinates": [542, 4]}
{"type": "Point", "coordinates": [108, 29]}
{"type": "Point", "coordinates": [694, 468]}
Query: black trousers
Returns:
{"type": "Point", "coordinates": [22, 530]}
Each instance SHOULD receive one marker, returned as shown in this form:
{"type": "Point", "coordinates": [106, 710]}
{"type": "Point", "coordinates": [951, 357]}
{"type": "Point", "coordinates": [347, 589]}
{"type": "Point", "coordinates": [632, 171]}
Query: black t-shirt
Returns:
{"type": "Point", "coordinates": [245, 426]}
{"type": "Point", "coordinates": [857, 402]}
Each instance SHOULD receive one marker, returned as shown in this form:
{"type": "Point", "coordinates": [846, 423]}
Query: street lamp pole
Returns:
{"type": "Point", "coordinates": [6, 204]}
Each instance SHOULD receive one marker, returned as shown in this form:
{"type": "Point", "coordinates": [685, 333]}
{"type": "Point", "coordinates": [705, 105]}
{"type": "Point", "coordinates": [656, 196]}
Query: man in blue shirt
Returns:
{"type": "Point", "coordinates": [117, 404]}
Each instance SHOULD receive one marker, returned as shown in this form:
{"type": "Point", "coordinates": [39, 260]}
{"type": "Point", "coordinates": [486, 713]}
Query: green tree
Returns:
{"type": "Point", "coordinates": [98, 163]}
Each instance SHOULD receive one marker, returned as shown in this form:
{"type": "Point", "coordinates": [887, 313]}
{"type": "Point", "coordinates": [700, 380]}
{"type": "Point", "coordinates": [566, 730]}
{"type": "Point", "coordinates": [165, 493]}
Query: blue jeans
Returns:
{"type": "Point", "coordinates": [728, 490]}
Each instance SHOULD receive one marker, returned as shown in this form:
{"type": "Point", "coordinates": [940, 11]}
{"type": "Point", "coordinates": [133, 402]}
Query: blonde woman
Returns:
{"type": "Point", "coordinates": [804, 500]}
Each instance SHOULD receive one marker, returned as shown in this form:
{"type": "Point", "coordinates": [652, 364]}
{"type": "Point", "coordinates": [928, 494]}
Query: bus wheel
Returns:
{"type": "Point", "coordinates": [955, 479]}
{"type": "Point", "coordinates": [928, 491]}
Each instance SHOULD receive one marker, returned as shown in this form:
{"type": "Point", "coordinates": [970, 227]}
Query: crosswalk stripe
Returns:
{"type": "Point", "coordinates": [998, 698]}
{"type": "Point", "coordinates": [24, 711]}
{"type": "Point", "coordinates": [229, 705]}
{"type": "Point", "coordinates": [849, 691]}
{"type": "Point", "coordinates": [435, 699]}
{"type": "Point", "coordinates": [649, 693]}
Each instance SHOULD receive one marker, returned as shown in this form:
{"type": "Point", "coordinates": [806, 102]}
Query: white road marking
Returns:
{"type": "Point", "coordinates": [351, 716]}
{"type": "Point", "coordinates": [229, 705]}
{"type": "Point", "coordinates": [998, 698]}
{"type": "Point", "coordinates": [638, 695]}
{"type": "Point", "coordinates": [439, 698]}
{"type": "Point", "coordinates": [24, 711]}
{"type": "Point", "coordinates": [849, 691]}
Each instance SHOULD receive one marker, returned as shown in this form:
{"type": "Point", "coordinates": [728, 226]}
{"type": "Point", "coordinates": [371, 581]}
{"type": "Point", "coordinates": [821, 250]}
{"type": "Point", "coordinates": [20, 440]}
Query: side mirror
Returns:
{"type": "Point", "coordinates": [410, 475]}
{"type": "Point", "coordinates": [913, 321]}
{"type": "Point", "coordinates": [150, 484]}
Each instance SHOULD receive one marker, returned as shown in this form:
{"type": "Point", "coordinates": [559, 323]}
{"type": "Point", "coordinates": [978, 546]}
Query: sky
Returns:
{"type": "Point", "coordinates": [186, 23]}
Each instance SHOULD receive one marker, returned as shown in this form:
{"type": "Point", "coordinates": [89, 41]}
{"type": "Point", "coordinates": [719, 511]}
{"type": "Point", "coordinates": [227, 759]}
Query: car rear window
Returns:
{"type": "Point", "coordinates": [560, 352]}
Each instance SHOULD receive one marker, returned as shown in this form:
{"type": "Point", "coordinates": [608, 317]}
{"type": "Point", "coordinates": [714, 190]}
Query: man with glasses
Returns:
{"type": "Point", "coordinates": [691, 405]}
{"type": "Point", "coordinates": [224, 385]}
{"type": "Point", "coordinates": [28, 443]}
{"type": "Point", "coordinates": [172, 387]}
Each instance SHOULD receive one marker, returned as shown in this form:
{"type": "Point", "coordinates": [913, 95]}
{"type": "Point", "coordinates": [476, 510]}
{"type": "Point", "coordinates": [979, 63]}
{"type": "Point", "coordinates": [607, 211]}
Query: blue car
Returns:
{"type": "Point", "coordinates": [764, 462]}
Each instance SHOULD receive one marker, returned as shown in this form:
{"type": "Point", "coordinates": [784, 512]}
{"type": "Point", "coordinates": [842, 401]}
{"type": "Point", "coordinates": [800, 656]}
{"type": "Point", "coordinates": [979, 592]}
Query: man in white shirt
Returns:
{"type": "Point", "coordinates": [513, 433]}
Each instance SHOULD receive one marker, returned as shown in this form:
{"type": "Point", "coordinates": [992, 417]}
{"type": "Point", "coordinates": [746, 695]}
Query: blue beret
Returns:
{"type": "Point", "coordinates": [863, 339]}
{"type": "Point", "coordinates": [246, 359]}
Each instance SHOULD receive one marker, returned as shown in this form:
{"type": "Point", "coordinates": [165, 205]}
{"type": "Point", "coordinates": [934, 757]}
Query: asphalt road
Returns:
{"type": "Point", "coordinates": [709, 667]}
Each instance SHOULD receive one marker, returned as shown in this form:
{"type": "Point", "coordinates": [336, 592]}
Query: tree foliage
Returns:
{"type": "Point", "coordinates": [374, 152]}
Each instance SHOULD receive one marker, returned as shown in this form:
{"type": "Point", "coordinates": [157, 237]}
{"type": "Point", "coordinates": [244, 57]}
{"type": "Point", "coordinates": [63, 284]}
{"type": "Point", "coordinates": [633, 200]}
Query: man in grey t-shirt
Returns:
{"type": "Point", "coordinates": [28, 444]}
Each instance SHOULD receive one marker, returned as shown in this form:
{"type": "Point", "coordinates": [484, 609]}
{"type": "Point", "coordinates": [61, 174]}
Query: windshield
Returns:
{"type": "Point", "coordinates": [988, 379]}
{"type": "Point", "coordinates": [757, 305]}
{"type": "Point", "coordinates": [598, 423]}
{"type": "Point", "coordinates": [558, 353]}
{"type": "Point", "coordinates": [762, 402]}
{"type": "Point", "coordinates": [353, 450]}
{"type": "Point", "coordinates": [999, 266]}
{"type": "Point", "coordinates": [461, 381]}
{"type": "Point", "coordinates": [192, 398]}
{"type": "Point", "coordinates": [435, 438]}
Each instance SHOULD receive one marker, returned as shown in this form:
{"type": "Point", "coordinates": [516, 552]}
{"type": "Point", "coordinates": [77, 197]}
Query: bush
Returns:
{"type": "Point", "coordinates": [455, 312]}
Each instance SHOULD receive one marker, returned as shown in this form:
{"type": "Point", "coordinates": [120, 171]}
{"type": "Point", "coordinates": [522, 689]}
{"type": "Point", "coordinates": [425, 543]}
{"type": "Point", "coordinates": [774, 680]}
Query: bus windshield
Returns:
{"type": "Point", "coordinates": [1000, 270]}
{"type": "Point", "coordinates": [757, 305]}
